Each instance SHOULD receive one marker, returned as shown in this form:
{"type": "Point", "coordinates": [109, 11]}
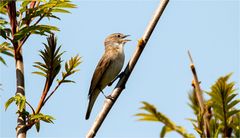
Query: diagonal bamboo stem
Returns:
{"type": "Point", "coordinates": [128, 70]}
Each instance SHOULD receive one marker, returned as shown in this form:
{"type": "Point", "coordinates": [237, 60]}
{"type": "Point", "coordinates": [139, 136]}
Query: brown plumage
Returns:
{"type": "Point", "coordinates": [108, 67]}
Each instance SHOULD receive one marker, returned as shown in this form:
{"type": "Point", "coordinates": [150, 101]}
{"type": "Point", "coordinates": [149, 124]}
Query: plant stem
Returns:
{"type": "Point", "coordinates": [198, 92]}
{"type": "Point", "coordinates": [44, 95]}
{"type": "Point", "coordinates": [127, 72]}
{"type": "Point", "coordinates": [20, 90]}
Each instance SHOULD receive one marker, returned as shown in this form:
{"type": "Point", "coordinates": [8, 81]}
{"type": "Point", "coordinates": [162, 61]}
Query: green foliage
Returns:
{"type": "Point", "coordinates": [70, 68]}
{"type": "Point", "coordinates": [29, 17]}
{"type": "Point", "coordinates": [5, 49]}
{"type": "Point", "coordinates": [35, 29]}
{"type": "Point", "coordinates": [44, 9]}
{"type": "Point", "coordinates": [221, 106]}
{"type": "Point", "coordinates": [153, 115]}
{"type": "Point", "coordinates": [25, 18]}
{"type": "Point", "coordinates": [2, 7]}
{"type": "Point", "coordinates": [51, 66]}
{"type": "Point", "coordinates": [4, 32]}
{"type": "Point", "coordinates": [223, 116]}
{"type": "Point", "coordinates": [222, 96]}
{"type": "Point", "coordinates": [40, 117]}
{"type": "Point", "coordinates": [37, 125]}
{"type": "Point", "coordinates": [236, 125]}
{"type": "Point", "coordinates": [51, 56]}
{"type": "Point", "coordinates": [20, 101]}
{"type": "Point", "coordinates": [193, 102]}
{"type": "Point", "coordinates": [222, 101]}
{"type": "Point", "coordinates": [198, 122]}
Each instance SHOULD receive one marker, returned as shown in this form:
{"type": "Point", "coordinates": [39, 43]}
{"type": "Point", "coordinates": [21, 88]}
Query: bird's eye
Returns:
{"type": "Point", "coordinates": [118, 35]}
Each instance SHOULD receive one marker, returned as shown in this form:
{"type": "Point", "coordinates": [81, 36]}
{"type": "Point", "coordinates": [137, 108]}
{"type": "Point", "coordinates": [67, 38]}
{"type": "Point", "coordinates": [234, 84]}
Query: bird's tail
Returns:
{"type": "Point", "coordinates": [91, 101]}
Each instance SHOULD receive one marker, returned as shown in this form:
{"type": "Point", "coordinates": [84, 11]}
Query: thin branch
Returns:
{"type": "Point", "coordinates": [51, 93]}
{"type": "Point", "coordinates": [203, 109]}
{"type": "Point", "coordinates": [9, 39]}
{"type": "Point", "coordinates": [30, 107]}
{"type": "Point", "coordinates": [44, 94]}
{"type": "Point", "coordinates": [127, 72]}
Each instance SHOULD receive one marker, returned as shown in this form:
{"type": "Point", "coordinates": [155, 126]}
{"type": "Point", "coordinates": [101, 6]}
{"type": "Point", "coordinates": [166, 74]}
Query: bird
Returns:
{"type": "Point", "coordinates": [108, 67]}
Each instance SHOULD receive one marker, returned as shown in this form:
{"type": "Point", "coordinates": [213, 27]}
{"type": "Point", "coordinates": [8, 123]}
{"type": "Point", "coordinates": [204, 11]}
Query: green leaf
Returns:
{"type": "Point", "coordinates": [218, 131]}
{"type": "Point", "coordinates": [51, 56]}
{"type": "Point", "coordinates": [37, 125]}
{"type": "Point", "coordinates": [40, 73]}
{"type": "Point", "coordinates": [60, 10]}
{"type": "Point", "coordinates": [153, 115]}
{"type": "Point", "coordinates": [35, 29]}
{"type": "Point", "coordinates": [2, 7]}
{"type": "Point", "coordinates": [3, 61]}
{"type": "Point", "coordinates": [70, 68]}
{"type": "Point", "coordinates": [36, 116]}
{"type": "Point", "coordinates": [222, 96]}
{"type": "Point", "coordinates": [230, 98]}
{"type": "Point", "coordinates": [146, 117]}
{"type": "Point", "coordinates": [9, 101]}
{"type": "Point", "coordinates": [5, 49]}
{"type": "Point", "coordinates": [3, 33]}
{"type": "Point", "coordinates": [164, 131]}
{"type": "Point", "coordinates": [48, 119]}
{"type": "Point", "coordinates": [68, 81]}
{"type": "Point", "coordinates": [233, 112]}
{"type": "Point", "coordinates": [66, 5]}
{"type": "Point", "coordinates": [20, 100]}
{"type": "Point", "coordinates": [232, 104]}
{"type": "Point", "coordinates": [25, 3]}
{"type": "Point", "coordinates": [40, 116]}
{"type": "Point", "coordinates": [22, 103]}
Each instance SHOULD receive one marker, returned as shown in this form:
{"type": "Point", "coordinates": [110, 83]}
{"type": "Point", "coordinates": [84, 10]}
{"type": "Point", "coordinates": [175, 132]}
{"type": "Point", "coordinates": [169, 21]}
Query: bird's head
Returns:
{"type": "Point", "coordinates": [116, 39]}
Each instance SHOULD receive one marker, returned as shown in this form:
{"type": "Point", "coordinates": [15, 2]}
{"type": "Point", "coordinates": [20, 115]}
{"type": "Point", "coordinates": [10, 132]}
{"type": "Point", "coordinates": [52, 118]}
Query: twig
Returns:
{"type": "Point", "coordinates": [127, 72]}
{"type": "Point", "coordinates": [203, 110]}
{"type": "Point", "coordinates": [51, 93]}
{"type": "Point", "coordinates": [30, 107]}
{"type": "Point", "coordinates": [9, 39]}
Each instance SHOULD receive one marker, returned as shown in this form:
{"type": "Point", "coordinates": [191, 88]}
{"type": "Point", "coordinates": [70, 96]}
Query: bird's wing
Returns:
{"type": "Point", "coordinates": [101, 68]}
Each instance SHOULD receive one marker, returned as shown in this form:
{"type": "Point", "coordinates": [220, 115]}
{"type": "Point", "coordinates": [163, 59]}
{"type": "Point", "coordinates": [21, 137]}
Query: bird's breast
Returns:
{"type": "Point", "coordinates": [116, 64]}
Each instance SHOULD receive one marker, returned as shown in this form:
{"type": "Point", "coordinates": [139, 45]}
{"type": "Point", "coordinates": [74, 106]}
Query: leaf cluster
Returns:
{"type": "Point", "coordinates": [223, 117]}
{"type": "Point", "coordinates": [20, 101]}
{"type": "Point", "coordinates": [70, 68]}
{"type": "Point", "coordinates": [5, 49]}
{"type": "Point", "coordinates": [28, 18]}
{"type": "Point", "coordinates": [221, 106]}
{"type": "Point", "coordinates": [49, 68]}
{"type": "Point", "coordinates": [51, 56]}
{"type": "Point", "coordinates": [40, 117]}
{"type": "Point", "coordinates": [153, 115]}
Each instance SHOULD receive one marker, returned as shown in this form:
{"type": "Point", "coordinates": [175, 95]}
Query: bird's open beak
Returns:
{"type": "Point", "coordinates": [126, 40]}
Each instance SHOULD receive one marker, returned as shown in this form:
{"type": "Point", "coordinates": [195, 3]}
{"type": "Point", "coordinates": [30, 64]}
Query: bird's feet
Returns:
{"type": "Point", "coordinates": [110, 98]}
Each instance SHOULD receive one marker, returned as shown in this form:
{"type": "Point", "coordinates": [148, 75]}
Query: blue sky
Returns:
{"type": "Point", "coordinates": [209, 29]}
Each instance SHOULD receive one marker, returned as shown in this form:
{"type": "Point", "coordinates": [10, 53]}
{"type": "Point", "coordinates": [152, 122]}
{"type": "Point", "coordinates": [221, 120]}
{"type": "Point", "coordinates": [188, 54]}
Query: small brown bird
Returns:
{"type": "Point", "coordinates": [108, 67]}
